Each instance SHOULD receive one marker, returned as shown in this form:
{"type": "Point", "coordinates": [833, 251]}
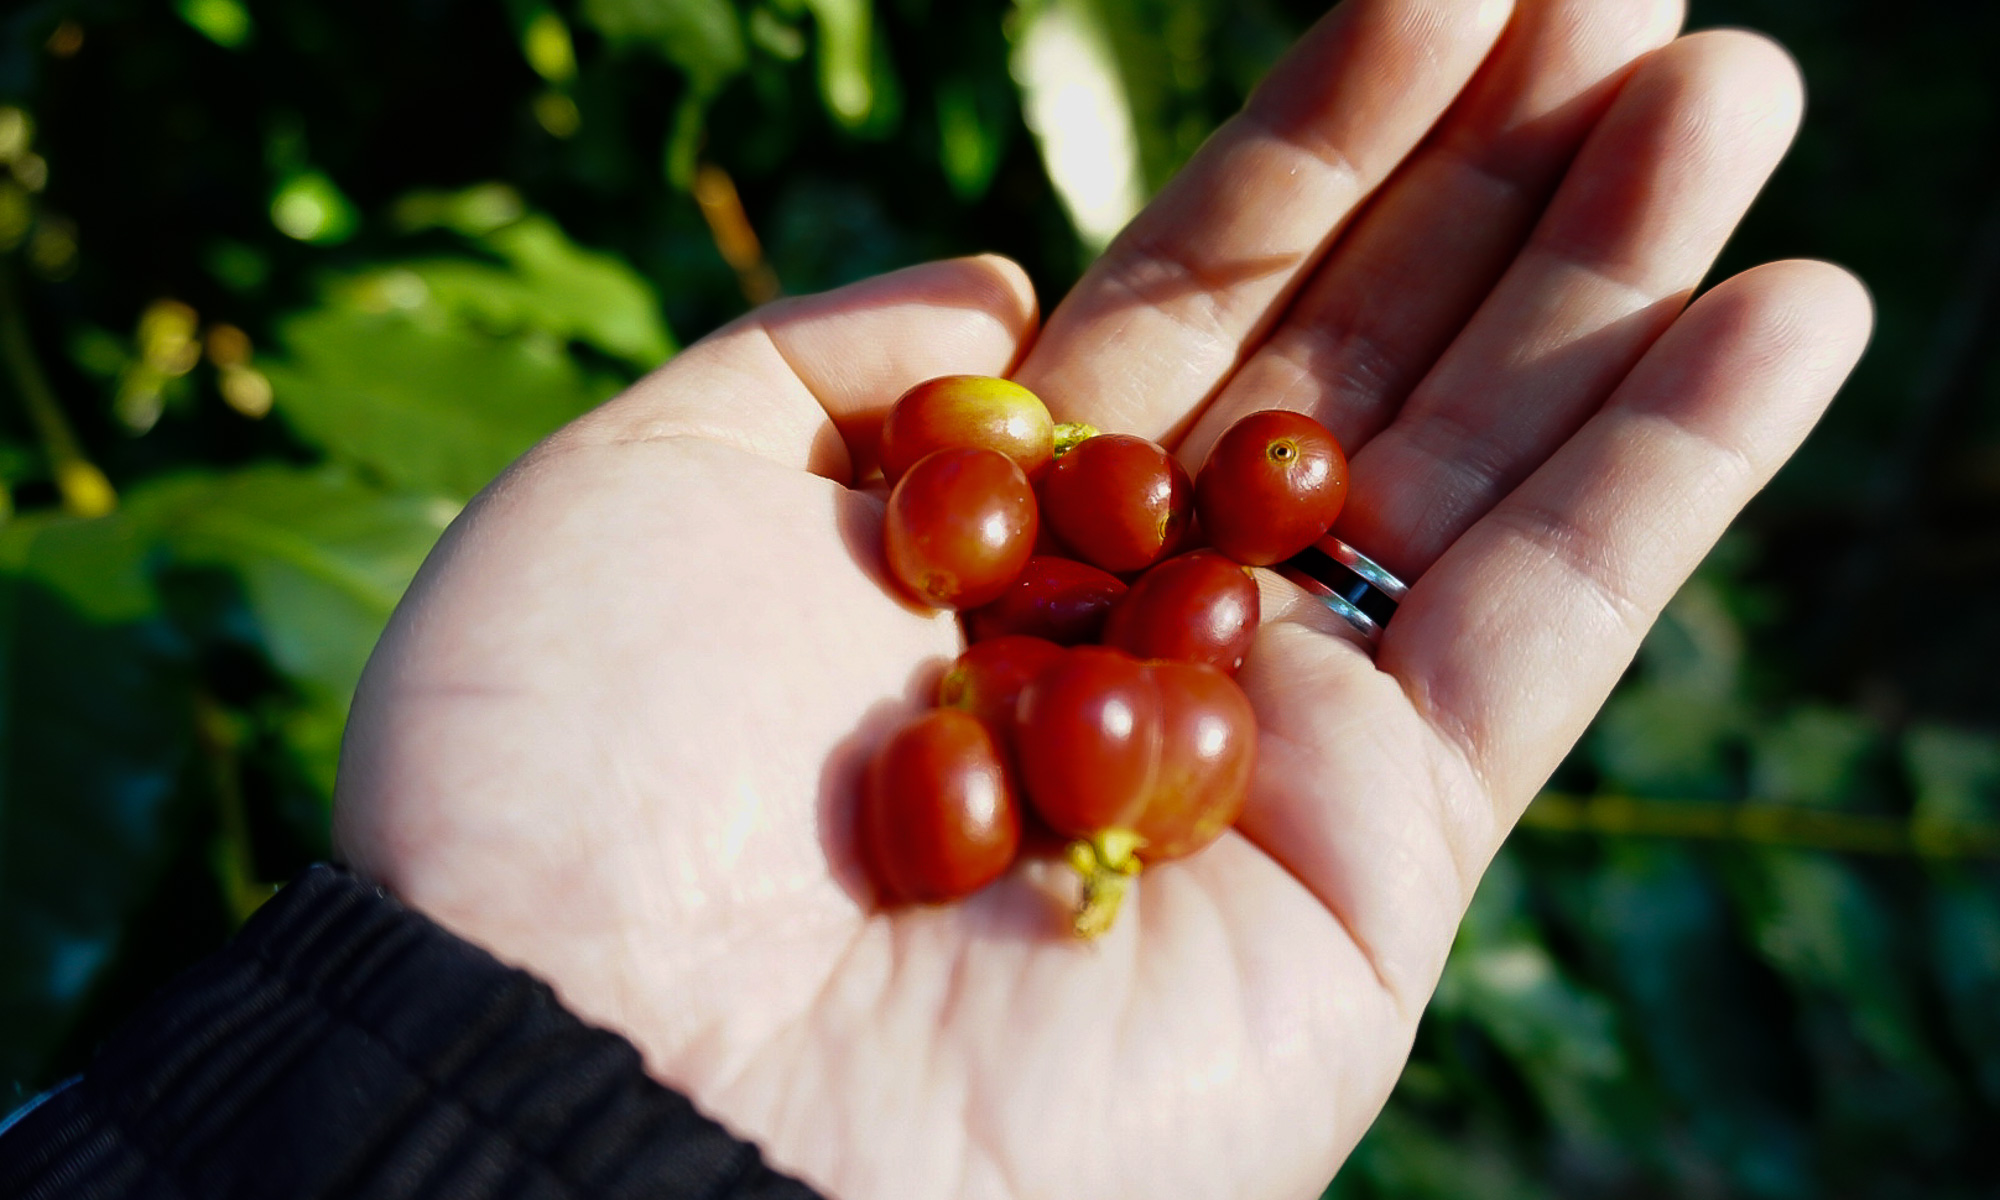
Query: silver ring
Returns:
{"type": "Point", "coordinates": [1348, 582]}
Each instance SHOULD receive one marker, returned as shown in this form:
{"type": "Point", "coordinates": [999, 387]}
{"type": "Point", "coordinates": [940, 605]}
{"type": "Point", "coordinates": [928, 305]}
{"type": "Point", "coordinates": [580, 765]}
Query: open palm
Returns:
{"type": "Point", "coordinates": [614, 732]}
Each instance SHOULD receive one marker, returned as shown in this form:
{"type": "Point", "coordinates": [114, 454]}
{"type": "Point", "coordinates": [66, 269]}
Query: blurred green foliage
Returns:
{"type": "Point", "coordinates": [283, 284]}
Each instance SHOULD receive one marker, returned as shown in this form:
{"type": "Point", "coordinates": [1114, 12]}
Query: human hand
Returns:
{"type": "Point", "coordinates": [614, 732]}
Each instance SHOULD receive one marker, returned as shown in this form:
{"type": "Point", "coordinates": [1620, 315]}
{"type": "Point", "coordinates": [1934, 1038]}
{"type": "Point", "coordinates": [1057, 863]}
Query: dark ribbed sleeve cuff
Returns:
{"type": "Point", "coordinates": [344, 1046]}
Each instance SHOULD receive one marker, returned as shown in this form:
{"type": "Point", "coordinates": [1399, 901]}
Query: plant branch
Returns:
{"type": "Point", "coordinates": [85, 491]}
{"type": "Point", "coordinates": [1761, 824]}
{"type": "Point", "coordinates": [735, 239]}
{"type": "Point", "coordinates": [219, 738]}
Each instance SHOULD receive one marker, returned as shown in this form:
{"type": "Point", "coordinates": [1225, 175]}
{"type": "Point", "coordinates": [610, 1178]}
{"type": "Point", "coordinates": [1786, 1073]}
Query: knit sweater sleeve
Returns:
{"type": "Point", "coordinates": [345, 1046]}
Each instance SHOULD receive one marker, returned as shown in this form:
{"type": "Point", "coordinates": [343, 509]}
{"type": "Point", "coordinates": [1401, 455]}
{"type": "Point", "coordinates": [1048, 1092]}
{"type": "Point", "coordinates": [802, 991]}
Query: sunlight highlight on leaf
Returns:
{"type": "Point", "coordinates": [472, 211]}
{"type": "Point", "coordinates": [546, 45]}
{"type": "Point", "coordinates": [844, 42]}
{"type": "Point", "coordinates": [702, 37]}
{"type": "Point", "coordinates": [224, 22]}
{"type": "Point", "coordinates": [309, 207]}
{"type": "Point", "coordinates": [424, 402]}
{"type": "Point", "coordinates": [1076, 104]}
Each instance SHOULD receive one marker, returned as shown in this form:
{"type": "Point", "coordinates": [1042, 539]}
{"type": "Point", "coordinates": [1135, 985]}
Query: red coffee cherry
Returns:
{"type": "Point", "coordinates": [1055, 598]}
{"type": "Point", "coordinates": [1272, 486]}
{"type": "Point", "coordinates": [987, 679]}
{"type": "Point", "coordinates": [1137, 761]}
{"type": "Point", "coordinates": [959, 527]}
{"type": "Point", "coordinates": [1118, 502]}
{"type": "Point", "coordinates": [1087, 732]}
{"type": "Point", "coordinates": [939, 815]}
{"type": "Point", "coordinates": [1198, 607]}
{"type": "Point", "coordinates": [1210, 735]}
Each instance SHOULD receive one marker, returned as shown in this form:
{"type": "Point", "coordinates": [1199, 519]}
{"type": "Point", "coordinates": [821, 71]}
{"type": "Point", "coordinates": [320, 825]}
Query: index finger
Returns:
{"type": "Point", "coordinates": [1162, 319]}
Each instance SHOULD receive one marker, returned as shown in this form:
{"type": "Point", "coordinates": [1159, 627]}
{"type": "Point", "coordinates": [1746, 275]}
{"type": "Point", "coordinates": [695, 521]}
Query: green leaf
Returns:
{"type": "Point", "coordinates": [1659, 741]}
{"type": "Point", "coordinates": [436, 374]}
{"type": "Point", "coordinates": [99, 351]}
{"type": "Point", "coordinates": [474, 211]}
{"type": "Point", "coordinates": [702, 37]}
{"type": "Point", "coordinates": [1561, 1036]}
{"type": "Point", "coordinates": [98, 568]}
{"type": "Point", "coordinates": [1697, 647]}
{"type": "Point", "coordinates": [682, 154]}
{"type": "Point", "coordinates": [548, 284]}
{"type": "Point", "coordinates": [1402, 1158]}
{"type": "Point", "coordinates": [555, 287]}
{"type": "Point", "coordinates": [775, 37]}
{"type": "Point", "coordinates": [1662, 926]}
{"type": "Point", "coordinates": [428, 403]}
{"type": "Point", "coordinates": [1075, 100]}
{"type": "Point", "coordinates": [236, 265]}
{"type": "Point", "coordinates": [1165, 59]}
{"type": "Point", "coordinates": [972, 136]}
{"type": "Point", "coordinates": [1834, 940]}
{"type": "Point", "coordinates": [1671, 731]}
{"type": "Point", "coordinates": [323, 558]}
{"type": "Point", "coordinates": [1810, 756]}
{"type": "Point", "coordinates": [1956, 774]}
{"type": "Point", "coordinates": [310, 207]}
{"type": "Point", "coordinates": [545, 42]}
{"type": "Point", "coordinates": [311, 731]}
{"type": "Point", "coordinates": [1964, 919]}
{"type": "Point", "coordinates": [225, 22]}
{"type": "Point", "coordinates": [95, 734]}
{"type": "Point", "coordinates": [18, 463]}
{"type": "Point", "coordinates": [846, 83]}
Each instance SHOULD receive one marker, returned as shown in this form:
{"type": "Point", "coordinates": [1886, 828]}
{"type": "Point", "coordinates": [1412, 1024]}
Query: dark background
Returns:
{"type": "Point", "coordinates": [282, 285]}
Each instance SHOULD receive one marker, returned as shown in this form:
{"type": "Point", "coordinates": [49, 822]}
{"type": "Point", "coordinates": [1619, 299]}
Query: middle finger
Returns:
{"type": "Point", "coordinates": [1160, 320]}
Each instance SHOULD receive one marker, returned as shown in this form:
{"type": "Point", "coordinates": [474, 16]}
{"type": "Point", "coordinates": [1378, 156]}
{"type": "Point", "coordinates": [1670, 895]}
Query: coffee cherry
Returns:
{"type": "Point", "coordinates": [1137, 761]}
{"type": "Point", "coordinates": [1272, 485]}
{"type": "Point", "coordinates": [1118, 502]}
{"type": "Point", "coordinates": [1197, 607]}
{"type": "Point", "coordinates": [1087, 732]}
{"type": "Point", "coordinates": [1139, 750]}
{"type": "Point", "coordinates": [1209, 743]}
{"type": "Point", "coordinates": [939, 816]}
{"type": "Point", "coordinates": [1054, 598]}
{"type": "Point", "coordinates": [987, 679]}
{"type": "Point", "coordinates": [959, 527]}
{"type": "Point", "coordinates": [970, 411]}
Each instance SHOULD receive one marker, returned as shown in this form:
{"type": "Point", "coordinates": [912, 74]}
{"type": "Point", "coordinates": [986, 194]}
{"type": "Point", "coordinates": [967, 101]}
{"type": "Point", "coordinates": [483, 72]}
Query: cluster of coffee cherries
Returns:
{"type": "Point", "coordinates": [1108, 603]}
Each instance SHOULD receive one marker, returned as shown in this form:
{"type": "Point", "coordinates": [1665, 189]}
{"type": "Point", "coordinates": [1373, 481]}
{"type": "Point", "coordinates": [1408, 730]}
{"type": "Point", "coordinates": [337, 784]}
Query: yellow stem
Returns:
{"type": "Point", "coordinates": [1071, 433]}
{"type": "Point", "coordinates": [1108, 864]}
